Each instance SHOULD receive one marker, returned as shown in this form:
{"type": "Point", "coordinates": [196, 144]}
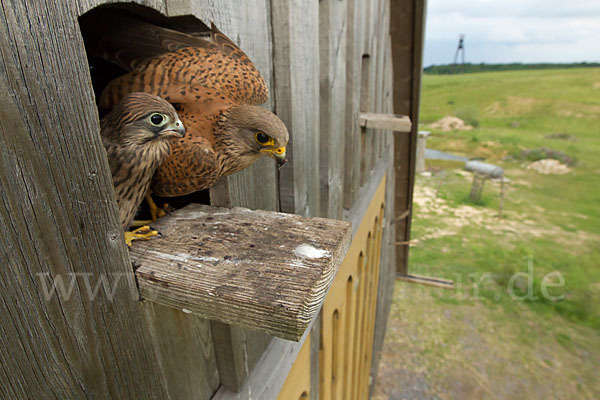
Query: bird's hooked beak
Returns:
{"type": "Point", "coordinates": [175, 129]}
{"type": "Point", "coordinates": [278, 154]}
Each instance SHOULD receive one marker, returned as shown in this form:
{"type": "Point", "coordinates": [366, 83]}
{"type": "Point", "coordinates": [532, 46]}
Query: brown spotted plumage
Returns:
{"type": "Point", "coordinates": [136, 135]}
{"type": "Point", "coordinates": [216, 90]}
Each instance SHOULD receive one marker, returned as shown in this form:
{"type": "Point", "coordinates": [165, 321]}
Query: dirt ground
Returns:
{"type": "Point", "coordinates": [472, 351]}
{"type": "Point", "coordinates": [441, 346]}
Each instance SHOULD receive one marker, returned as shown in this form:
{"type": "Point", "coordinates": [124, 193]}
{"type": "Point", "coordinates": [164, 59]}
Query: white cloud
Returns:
{"type": "Point", "coordinates": [509, 31]}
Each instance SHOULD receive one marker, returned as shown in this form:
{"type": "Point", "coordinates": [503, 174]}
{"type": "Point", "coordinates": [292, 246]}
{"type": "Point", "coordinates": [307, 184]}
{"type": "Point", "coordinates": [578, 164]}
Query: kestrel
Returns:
{"type": "Point", "coordinates": [136, 135]}
{"type": "Point", "coordinates": [215, 88]}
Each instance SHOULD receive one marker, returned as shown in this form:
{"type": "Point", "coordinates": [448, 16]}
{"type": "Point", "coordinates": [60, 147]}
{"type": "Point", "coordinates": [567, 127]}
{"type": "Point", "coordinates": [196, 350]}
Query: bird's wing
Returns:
{"type": "Point", "coordinates": [127, 41]}
{"type": "Point", "coordinates": [191, 167]}
{"type": "Point", "coordinates": [191, 75]}
{"type": "Point", "coordinates": [172, 64]}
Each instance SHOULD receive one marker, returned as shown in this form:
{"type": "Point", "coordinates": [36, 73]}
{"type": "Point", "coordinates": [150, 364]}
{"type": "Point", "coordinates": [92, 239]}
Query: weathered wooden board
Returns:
{"type": "Point", "coordinates": [238, 350]}
{"type": "Point", "coordinates": [332, 57]}
{"type": "Point", "coordinates": [407, 28]}
{"type": "Point", "coordinates": [296, 77]}
{"type": "Point", "coordinates": [185, 350]}
{"type": "Point", "coordinates": [368, 88]}
{"type": "Point", "coordinates": [270, 373]}
{"type": "Point", "coordinates": [388, 257]}
{"type": "Point", "coordinates": [354, 60]}
{"type": "Point", "coordinates": [59, 223]}
{"type": "Point", "coordinates": [262, 270]}
{"type": "Point", "coordinates": [397, 123]}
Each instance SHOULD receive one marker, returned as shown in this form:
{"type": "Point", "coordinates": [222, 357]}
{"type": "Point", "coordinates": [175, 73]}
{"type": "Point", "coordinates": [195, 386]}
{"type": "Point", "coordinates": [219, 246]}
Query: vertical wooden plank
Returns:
{"type": "Point", "coordinates": [60, 222]}
{"type": "Point", "coordinates": [372, 302]}
{"type": "Point", "coordinates": [368, 93]}
{"type": "Point", "coordinates": [388, 258]}
{"type": "Point", "coordinates": [269, 375]}
{"type": "Point", "coordinates": [359, 330]}
{"type": "Point", "coordinates": [354, 53]}
{"type": "Point", "coordinates": [186, 352]}
{"type": "Point", "coordinates": [350, 315]}
{"type": "Point", "coordinates": [382, 54]}
{"type": "Point", "coordinates": [315, 359]}
{"type": "Point", "coordinates": [407, 21]}
{"type": "Point", "coordinates": [237, 350]}
{"type": "Point", "coordinates": [365, 346]}
{"type": "Point", "coordinates": [296, 72]}
{"type": "Point", "coordinates": [297, 385]}
{"type": "Point", "coordinates": [332, 43]}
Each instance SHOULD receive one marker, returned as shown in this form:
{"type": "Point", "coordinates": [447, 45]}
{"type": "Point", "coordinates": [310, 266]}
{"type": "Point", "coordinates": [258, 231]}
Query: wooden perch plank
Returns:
{"type": "Point", "coordinates": [393, 122]}
{"type": "Point", "coordinates": [257, 269]}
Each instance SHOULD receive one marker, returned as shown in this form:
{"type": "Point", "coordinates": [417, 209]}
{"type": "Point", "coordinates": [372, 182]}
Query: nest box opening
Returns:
{"type": "Point", "coordinates": [261, 270]}
{"type": "Point", "coordinates": [104, 67]}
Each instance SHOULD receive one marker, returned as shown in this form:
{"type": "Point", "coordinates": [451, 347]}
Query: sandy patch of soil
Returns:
{"type": "Point", "coordinates": [449, 221]}
{"type": "Point", "coordinates": [549, 166]}
{"type": "Point", "coordinates": [450, 123]}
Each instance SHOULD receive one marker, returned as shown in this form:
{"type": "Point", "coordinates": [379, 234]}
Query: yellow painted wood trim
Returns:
{"type": "Point", "coordinates": [297, 383]}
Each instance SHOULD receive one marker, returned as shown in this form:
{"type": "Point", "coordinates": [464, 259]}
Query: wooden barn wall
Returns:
{"type": "Point", "coordinates": [59, 220]}
{"type": "Point", "coordinates": [324, 63]}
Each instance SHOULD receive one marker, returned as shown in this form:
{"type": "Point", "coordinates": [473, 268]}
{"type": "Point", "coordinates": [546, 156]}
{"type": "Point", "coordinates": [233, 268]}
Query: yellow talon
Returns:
{"type": "Point", "coordinates": [143, 233]}
{"type": "Point", "coordinates": [155, 211]}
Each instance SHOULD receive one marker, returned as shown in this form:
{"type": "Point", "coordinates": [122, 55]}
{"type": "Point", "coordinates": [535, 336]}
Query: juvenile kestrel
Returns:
{"type": "Point", "coordinates": [136, 135]}
{"type": "Point", "coordinates": [213, 85]}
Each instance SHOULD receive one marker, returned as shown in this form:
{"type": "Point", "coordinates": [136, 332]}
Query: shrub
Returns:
{"type": "Point", "coordinates": [469, 114]}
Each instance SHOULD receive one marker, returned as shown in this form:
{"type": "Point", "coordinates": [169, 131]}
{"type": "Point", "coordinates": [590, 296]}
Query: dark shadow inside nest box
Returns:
{"type": "Point", "coordinates": [92, 25]}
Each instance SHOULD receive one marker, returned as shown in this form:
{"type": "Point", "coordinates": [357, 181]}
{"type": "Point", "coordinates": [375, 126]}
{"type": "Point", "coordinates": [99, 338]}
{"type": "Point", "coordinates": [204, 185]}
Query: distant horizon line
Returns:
{"type": "Point", "coordinates": [516, 63]}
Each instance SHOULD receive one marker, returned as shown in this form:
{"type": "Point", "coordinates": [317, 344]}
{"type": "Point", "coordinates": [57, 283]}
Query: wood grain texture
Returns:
{"type": "Point", "coordinates": [242, 267]}
{"type": "Point", "coordinates": [407, 23]}
{"type": "Point", "coordinates": [380, 121]}
{"type": "Point", "coordinates": [368, 88]}
{"type": "Point", "coordinates": [354, 61]}
{"type": "Point", "coordinates": [59, 221]}
{"type": "Point", "coordinates": [332, 60]}
{"type": "Point", "coordinates": [238, 350]}
{"type": "Point", "coordinates": [388, 256]}
{"type": "Point", "coordinates": [270, 373]}
{"type": "Point", "coordinates": [387, 271]}
{"type": "Point", "coordinates": [296, 82]}
{"type": "Point", "coordinates": [297, 384]}
{"type": "Point", "coordinates": [185, 350]}
{"type": "Point", "coordinates": [315, 344]}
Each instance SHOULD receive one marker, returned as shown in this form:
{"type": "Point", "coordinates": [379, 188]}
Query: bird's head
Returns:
{"type": "Point", "coordinates": [141, 118]}
{"type": "Point", "coordinates": [249, 132]}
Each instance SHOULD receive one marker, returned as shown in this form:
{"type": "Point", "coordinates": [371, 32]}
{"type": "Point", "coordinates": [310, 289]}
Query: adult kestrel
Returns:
{"type": "Point", "coordinates": [136, 135]}
{"type": "Point", "coordinates": [213, 85]}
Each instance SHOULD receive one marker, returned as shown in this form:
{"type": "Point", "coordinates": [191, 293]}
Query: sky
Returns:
{"type": "Point", "coordinates": [504, 31]}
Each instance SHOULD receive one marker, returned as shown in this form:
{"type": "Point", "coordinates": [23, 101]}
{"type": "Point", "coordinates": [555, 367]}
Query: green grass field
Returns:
{"type": "Point", "coordinates": [524, 319]}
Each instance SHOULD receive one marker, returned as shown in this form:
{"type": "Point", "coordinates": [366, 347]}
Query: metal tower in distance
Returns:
{"type": "Point", "coordinates": [460, 49]}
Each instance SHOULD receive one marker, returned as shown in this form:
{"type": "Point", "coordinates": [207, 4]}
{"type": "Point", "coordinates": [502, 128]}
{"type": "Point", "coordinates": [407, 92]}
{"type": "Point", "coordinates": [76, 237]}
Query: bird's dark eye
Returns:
{"type": "Point", "coordinates": [156, 119]}
{"type": "Point", "coordinates": [261, 138]}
